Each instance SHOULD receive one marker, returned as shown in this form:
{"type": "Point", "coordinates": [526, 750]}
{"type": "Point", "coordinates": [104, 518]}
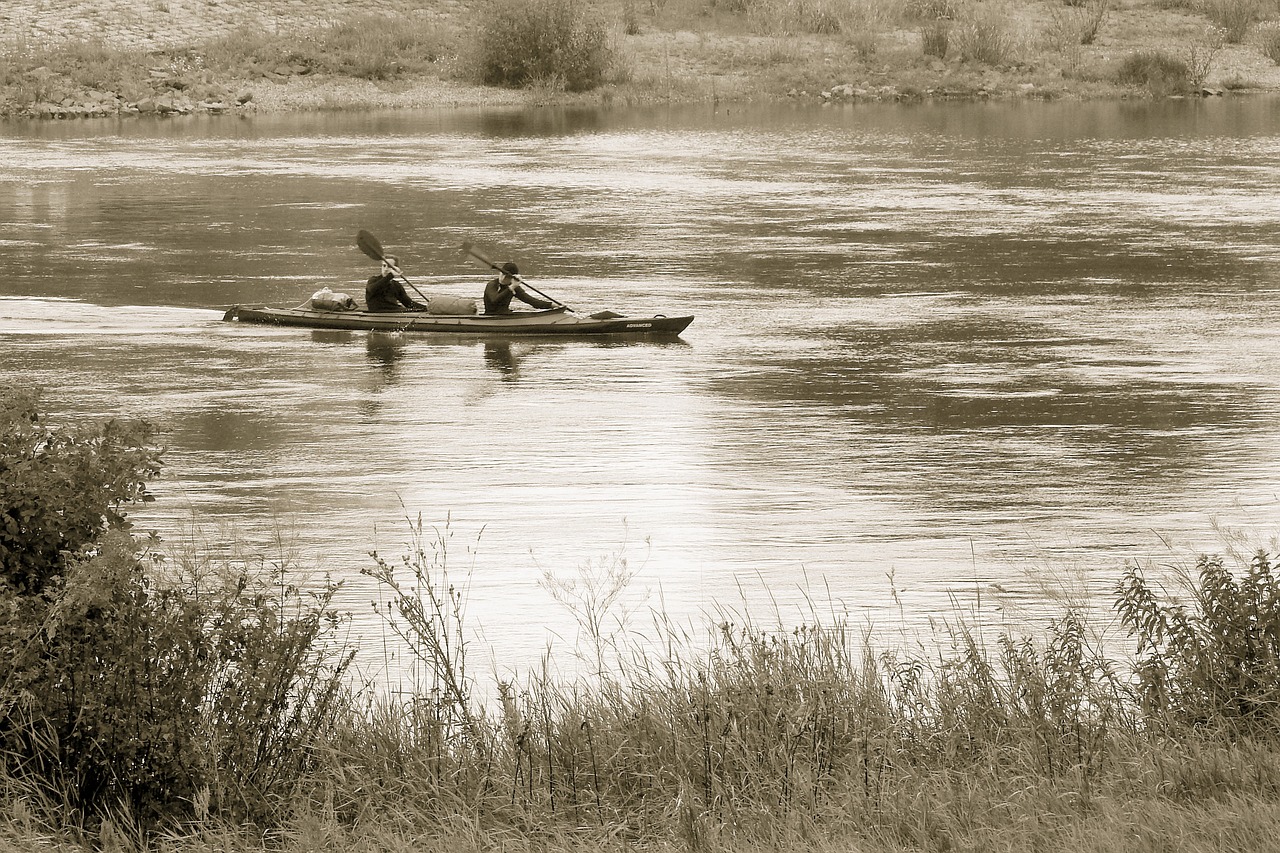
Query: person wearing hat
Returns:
{"type": "Point", "coordinates": [499, 292]}
{"type": "Point", "coordinates": [384, 293]}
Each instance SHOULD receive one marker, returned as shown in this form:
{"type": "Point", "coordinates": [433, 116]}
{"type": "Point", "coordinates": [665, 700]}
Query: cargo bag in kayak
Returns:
{"type": "Point", "coordinates": [451, 305]}
{"type": "Point", "coordinates": [326, 300]}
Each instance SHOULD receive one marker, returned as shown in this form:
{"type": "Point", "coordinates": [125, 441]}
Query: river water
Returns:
{"type": "Point", "coordinates": [941, 352]}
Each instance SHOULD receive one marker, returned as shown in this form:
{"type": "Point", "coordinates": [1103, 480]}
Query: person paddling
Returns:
{"type": "Point", "coordinates": [384, 293]}
{"type": "Point", "coordinates": [499, 292]}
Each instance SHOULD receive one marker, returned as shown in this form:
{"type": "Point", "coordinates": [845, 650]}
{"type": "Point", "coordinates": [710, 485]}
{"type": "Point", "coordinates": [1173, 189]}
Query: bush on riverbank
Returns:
{"type": "Point", "coordinates": [1158, 73]}
{"type": "Point", "coordinates": [197, 706]}
{"type": "Point", "coordinates": [559, 44]}
{"type": "Point", "coordinates": [129, 687]}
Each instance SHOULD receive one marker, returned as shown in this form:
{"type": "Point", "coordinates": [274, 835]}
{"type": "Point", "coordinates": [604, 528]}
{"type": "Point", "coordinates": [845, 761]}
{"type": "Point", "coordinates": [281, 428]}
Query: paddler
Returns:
{"type": "Point", "coordinates": [499, 292]}
{"type": "Point", "coordinates": [384, 293]}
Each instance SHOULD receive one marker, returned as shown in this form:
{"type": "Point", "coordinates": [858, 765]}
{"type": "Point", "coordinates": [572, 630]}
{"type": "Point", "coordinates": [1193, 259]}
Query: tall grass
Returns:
{"type": "Point", "coordinates": [775, 737]}
{"type": "Point", "coordinates": [765, 737]}
{"type": "Point", "coordinates": [371, 46]}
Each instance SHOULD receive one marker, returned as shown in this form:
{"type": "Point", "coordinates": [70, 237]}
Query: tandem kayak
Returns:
{"type": "Point", "coordinates": [553, 321]}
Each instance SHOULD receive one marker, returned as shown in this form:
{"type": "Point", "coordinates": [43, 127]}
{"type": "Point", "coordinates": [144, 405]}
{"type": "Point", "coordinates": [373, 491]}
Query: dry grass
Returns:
{"type": "Point", "coordinates": [772, 738]}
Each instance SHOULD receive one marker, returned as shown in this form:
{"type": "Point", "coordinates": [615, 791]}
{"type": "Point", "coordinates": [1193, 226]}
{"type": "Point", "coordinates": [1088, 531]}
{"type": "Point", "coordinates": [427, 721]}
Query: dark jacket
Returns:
{"type": "Point", "coordinates": [498, 296]}
{"type": "Point", "coordinates": [384, 293]}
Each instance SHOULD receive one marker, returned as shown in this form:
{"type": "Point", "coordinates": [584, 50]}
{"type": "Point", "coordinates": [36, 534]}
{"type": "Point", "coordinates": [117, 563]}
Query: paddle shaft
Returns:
{"type": "Point", "coordinates": [466, 247]}
{"type": "Point", "coordinates": [370, 246]}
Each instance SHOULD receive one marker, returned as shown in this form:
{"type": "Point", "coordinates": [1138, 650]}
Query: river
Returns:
{"type": "Point", "coordinates": [945, 357]}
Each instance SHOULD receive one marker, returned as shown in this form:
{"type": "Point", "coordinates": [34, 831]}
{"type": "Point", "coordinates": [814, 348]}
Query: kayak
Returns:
{"type": "Point", "coordinates": [553, 321]}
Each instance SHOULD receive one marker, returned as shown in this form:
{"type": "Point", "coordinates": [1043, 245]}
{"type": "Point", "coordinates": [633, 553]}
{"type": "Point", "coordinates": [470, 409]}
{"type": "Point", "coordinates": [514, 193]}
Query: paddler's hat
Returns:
{"type": "Point", "coordinates": [510, 268]}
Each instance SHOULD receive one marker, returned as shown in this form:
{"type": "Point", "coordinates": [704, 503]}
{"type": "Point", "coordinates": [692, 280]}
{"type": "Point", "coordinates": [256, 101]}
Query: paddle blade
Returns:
{"type": "Point", "coordinates": [369, 245]}
{"type": "Point", "coordinates": [470, 250]}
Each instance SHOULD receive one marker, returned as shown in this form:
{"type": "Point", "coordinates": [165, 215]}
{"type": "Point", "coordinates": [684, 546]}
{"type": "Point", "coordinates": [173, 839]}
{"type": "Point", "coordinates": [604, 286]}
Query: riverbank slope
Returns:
{"type": "Point", "coordinates": [60, 59]}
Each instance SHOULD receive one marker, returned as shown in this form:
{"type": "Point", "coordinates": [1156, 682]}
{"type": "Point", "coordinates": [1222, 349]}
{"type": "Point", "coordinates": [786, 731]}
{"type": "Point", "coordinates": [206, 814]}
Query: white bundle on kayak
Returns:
{"type": "Point", "coordinates": [326, 300]}
{"type": "Point", "coordinates": [451, 305]}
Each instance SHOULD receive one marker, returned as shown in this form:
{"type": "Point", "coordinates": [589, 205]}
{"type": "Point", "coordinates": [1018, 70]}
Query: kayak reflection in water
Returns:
{"type": "Point", "coordinates": [384, 293]}
{"type": "Point", "coordinates": [384, 351]}
{"type": "Point", "coordinates": [499, 292]}
{"type": "Point", "coordinates": [498, 355]}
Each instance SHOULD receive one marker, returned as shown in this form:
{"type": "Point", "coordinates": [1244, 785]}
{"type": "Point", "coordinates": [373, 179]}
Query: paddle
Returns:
{"type": "Point", "coordinates": [370, 246]}
{"type": "Point", "coordinates": [467, 247]}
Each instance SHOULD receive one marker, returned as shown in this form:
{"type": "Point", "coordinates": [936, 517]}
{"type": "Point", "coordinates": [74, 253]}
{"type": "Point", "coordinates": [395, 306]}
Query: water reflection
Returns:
{"type": "Point", "coordinates": [938, 340]}
{"type": "Point", "coordinates": [385, 351]}
{"type": "Point", "coordinates": [499, 357]}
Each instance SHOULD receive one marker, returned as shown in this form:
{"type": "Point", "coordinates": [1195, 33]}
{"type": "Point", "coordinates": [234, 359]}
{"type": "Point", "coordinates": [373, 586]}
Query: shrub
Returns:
{"type": "Point", "coordinates": [1095, 13]}
{"type": "Point", "coordinates": [102, 689]}
{"type": "Point", "coordinates": [1234, 17]}
{"type": "Point", "coordinates": [61, 489]}
{"type": "Point", "coordinates": [1269, 42]}
{"type": "Point", "coordinates": [1218, 659]}
{"type": "Point", "coordinates": [123, 692]}
{"type": "Point", "coordinates": [982, 35]}
{"type": "Point", "coordinates": [935, 37]}
{"type": "Point", "coordinates": [1200, 54]}
{"type": "Point", "coordinates": [273, 683]}
{"type": "Point", "coordinates": [1157, 72]}
{"type": "Point", "coordinates": [554, 42]}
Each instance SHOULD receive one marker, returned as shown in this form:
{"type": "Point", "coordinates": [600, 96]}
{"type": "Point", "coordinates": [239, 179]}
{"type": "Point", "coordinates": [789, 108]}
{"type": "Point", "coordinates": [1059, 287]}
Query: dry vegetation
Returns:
{"type": "Point", "coordinates": [59, 59]}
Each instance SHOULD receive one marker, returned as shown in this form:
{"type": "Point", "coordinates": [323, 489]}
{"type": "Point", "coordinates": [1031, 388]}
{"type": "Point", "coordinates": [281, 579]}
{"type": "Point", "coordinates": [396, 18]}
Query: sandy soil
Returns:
{"type": "Point", "coordinates": [178, 23]}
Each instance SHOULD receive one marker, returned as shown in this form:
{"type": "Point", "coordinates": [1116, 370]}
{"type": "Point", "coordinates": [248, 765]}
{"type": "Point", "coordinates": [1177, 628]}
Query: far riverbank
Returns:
{"type": "Point", "coordinates": [122, 57]}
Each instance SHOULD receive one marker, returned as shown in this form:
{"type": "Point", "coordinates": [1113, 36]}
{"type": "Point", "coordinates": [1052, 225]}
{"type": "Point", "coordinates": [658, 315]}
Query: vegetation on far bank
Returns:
{"type": "Point", "coordinates": [194, 703]}
{"type": "Point", "coordinates": [642, 50]}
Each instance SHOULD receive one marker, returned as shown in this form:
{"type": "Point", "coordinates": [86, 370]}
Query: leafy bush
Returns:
{"type": "Point", "coordinates": [61, 489]}
{"type": "Point", "coordinates": [102, 688]}
{"type": "Point", "coordinates": [549, 42]}
{"type": "Point", "coordinates": [1218, 659]}
{"type": "Point", "coordinates": [125, 692]}
{"type": "Point", "coordinates": [1158, 73]}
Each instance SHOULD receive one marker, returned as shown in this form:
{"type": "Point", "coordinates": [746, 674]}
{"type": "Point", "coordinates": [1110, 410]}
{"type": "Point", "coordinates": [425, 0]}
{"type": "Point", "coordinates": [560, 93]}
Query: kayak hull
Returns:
{"type": "Point", "coordinates": [554, 321]}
